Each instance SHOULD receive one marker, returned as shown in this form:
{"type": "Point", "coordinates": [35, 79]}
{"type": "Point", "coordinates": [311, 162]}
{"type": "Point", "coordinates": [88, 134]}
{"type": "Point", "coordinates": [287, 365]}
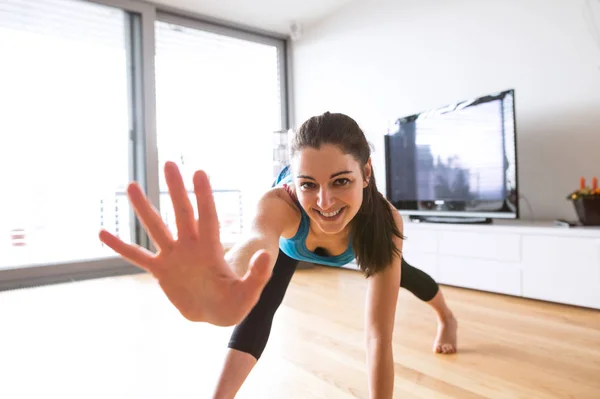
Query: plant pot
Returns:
{"type": "Point", "coordinates": [588, 210]}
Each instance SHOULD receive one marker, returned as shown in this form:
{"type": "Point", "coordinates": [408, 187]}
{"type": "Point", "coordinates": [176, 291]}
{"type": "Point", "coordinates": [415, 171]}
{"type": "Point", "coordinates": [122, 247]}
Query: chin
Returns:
{"type": "Point", "coordinates": [332, 230]}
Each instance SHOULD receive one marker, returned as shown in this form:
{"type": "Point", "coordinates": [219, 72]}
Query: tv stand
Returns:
{"type": "Point", "coordinates": [536, 260]}
{"type": "Point", "coordinates": [450, 219]}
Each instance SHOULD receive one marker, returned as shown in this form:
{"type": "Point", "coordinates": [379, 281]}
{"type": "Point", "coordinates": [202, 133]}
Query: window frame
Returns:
{"type": "Point", "coordinates": [144, 163]}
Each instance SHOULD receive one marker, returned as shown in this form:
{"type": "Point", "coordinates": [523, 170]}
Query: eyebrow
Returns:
{"type": "Point", "coordinates": [343, 172]}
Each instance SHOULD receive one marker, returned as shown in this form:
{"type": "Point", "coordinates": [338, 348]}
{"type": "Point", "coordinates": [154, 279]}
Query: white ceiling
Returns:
{"type": "Point", "coordinates": [269, 15]}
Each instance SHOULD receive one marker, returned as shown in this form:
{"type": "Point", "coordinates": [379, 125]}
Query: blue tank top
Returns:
{"type": "Point", "coordinates": [295, 247]}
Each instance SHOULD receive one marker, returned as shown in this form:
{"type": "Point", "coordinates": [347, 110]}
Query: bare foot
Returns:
{"type": "Point", "coordinates": [445, 341]}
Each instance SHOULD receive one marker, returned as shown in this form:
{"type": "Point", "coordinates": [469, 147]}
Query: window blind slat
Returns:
{"type": "Point", "coordinates": [72, 20]}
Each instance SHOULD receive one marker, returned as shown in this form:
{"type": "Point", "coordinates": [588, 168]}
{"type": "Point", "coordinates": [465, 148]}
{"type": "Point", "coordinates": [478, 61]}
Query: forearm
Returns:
{"type": "Point", "coordinates": [273, 216]}
{"type": "Point", "coordinates": [380, 364]}
{"type": "Point", "coordinates": [238, 257]}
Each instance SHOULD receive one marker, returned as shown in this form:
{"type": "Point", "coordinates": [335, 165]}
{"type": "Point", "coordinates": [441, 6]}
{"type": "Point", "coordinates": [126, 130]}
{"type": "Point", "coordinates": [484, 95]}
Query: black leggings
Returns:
{"type": "Point", "coordinates": [252, 333]}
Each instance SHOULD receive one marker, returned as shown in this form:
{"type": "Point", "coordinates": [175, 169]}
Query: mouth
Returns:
{"type": "Point", "coordinates": [331, 216]}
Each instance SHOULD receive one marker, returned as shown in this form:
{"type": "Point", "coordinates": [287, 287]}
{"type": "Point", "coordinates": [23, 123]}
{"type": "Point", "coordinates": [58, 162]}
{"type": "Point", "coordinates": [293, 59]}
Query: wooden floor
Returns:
{"type": "Point", "coordinates": [120, 338]}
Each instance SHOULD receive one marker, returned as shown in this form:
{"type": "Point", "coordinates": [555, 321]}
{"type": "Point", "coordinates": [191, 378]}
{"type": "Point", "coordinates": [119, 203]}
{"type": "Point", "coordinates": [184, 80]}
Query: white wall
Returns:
{"type": "Point", "coordinates": [382, 59]}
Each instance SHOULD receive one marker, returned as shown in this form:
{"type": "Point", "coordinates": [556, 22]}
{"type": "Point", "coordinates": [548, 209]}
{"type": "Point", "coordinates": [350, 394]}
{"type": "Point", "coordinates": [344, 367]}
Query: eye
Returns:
{"type": "Point", "coordinates": [342, 182]}
{"type": "Point", "coordinates": [307, 185]}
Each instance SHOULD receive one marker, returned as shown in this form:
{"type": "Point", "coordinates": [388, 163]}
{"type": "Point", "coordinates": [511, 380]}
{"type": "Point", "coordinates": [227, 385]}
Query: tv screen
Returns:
{"type": "Point", "coordinates": [455, 161]}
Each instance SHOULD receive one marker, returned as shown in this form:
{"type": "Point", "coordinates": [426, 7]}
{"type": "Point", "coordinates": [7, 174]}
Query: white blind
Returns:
{"type": "Point", "coordinates": [68, 19]}
{"type": "Point", "coordinates": [218, 104]}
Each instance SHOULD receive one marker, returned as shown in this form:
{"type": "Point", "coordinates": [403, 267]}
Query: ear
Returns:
{"type": "Point", "coordinates": [368, 170]}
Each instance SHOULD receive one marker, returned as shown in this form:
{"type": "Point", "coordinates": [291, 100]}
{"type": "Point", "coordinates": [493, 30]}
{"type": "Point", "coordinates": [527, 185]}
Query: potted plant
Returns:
{"type": "Point", "coordinates": [587, 202]}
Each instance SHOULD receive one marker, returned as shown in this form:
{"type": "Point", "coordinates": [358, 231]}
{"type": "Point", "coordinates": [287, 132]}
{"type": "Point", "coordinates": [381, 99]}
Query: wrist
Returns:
{"type": "Point", "coordinates": [381, 368]}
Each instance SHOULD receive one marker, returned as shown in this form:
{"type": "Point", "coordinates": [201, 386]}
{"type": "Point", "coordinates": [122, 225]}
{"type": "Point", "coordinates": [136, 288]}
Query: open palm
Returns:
{"type": "Point", "coordinates": [191, 269]}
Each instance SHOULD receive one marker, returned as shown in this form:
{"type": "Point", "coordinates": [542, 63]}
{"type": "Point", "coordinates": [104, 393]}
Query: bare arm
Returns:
{"type": "Point", "coordinates": [274, 217]}
{"type": "Point", "coordinates": [191, 269]}
{"type": "Point", "coordinates": [382, 296]}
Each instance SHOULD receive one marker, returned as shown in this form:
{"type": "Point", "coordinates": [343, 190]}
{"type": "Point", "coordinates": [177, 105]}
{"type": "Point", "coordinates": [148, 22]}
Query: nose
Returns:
{"type": "Point", "coordinates": [325, 199]}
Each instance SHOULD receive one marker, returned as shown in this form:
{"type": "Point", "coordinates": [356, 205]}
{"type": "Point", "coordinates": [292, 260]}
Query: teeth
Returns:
{"type": "Point", "coordinates": [330, 214]}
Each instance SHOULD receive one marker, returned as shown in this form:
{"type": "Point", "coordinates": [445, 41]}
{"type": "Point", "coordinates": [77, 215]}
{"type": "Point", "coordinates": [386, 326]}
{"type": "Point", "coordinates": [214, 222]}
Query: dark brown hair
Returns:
{"type": "Point", "coordinates": [374, 226]}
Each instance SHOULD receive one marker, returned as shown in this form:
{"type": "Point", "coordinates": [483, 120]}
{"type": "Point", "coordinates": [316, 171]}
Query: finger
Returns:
{"type": "Point", "coordinates": [258, 274]}
{"type": "Point", "coordinates": [184, 213]}
{"type": "Point", "coordinates": [208, 220]}
{"type": "Point", "coordinates": [150, 218]}
{"type": "Point", "coordinates": [137, 255]}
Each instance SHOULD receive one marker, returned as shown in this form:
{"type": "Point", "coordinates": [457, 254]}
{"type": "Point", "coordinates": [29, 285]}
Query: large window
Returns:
{"type": "Point", "coordinates": [218, 106]}
{"type": "Point", "coordinates": [97, 93]}
{"type": "Point", "coordinates": [64, 150]}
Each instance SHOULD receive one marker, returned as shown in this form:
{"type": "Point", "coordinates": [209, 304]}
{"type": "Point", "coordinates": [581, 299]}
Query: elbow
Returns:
{"type": "Point", "coordinates": [378, 346]}
{"type": "Point", "coordinates": [378, 338]}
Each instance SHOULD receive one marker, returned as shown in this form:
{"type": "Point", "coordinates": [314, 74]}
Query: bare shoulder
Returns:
{"type": "Point", "coordinates": [397, 217]}
{"type": "Point", "coordinates": [277, 210]}
{"type": "Point", "coordinates": [398, 242]}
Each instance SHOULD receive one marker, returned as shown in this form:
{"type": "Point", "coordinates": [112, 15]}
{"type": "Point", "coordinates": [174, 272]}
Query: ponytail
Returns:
{"type": "Point", "coordinates": [374, 228]}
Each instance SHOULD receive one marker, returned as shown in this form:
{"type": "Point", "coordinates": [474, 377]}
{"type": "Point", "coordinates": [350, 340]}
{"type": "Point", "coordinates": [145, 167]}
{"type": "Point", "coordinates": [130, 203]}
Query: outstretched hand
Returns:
{"type": "Point", "coordinates": [191, 269]}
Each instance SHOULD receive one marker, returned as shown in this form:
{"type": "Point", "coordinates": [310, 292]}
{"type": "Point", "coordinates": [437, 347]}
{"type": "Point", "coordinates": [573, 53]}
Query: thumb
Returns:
{"type": "Point", "coordinates": [259, 272]}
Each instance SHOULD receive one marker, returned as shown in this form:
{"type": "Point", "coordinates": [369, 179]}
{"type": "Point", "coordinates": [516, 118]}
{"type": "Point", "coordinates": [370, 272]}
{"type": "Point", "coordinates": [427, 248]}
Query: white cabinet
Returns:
{"type": "Point", "coordinates": [480, 274]}
{"type": "Point", "coordinates": [532, 260]}
{"type": "Point", "coordinates": [488, 245]}
{"type": "Point", "coordinates": [562, 269]}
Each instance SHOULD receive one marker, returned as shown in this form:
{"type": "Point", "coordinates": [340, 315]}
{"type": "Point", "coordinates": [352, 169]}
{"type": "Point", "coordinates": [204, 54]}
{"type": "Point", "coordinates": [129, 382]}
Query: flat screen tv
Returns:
{"type": "Point", "coordinates": [456, 163]}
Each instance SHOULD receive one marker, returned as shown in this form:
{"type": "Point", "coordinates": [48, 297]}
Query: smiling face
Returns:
{"type": "Point", "coordinates": [329, 186]}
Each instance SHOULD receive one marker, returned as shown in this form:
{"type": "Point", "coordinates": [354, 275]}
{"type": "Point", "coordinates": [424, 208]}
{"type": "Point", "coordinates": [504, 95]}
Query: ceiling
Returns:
{"type": "Point", "coordinates": [270, 15]}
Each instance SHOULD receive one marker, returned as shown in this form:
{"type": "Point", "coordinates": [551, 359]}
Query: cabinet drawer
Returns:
{"type": "Point", "coordinates": [494, 247]}
{"type": "Point", "coordinates": [424, 241]}
{"type": "Point", "coordinates": [562, 269]}
{"type": "Point", "coordinates": [479, 274]}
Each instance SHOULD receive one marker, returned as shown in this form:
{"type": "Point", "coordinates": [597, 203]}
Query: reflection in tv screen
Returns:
{"type": "Point", "coordinates": [456, 158]}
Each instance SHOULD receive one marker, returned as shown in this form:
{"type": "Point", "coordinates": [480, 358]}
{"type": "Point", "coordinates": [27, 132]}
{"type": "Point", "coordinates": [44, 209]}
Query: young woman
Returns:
{"type": "Point", "coordinates": [326, 209]}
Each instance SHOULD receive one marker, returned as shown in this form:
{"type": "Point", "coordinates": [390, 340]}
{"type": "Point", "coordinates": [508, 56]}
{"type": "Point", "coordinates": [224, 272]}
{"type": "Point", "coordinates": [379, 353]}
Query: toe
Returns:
{"type": "Point", "coordinates": [447, 348]}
